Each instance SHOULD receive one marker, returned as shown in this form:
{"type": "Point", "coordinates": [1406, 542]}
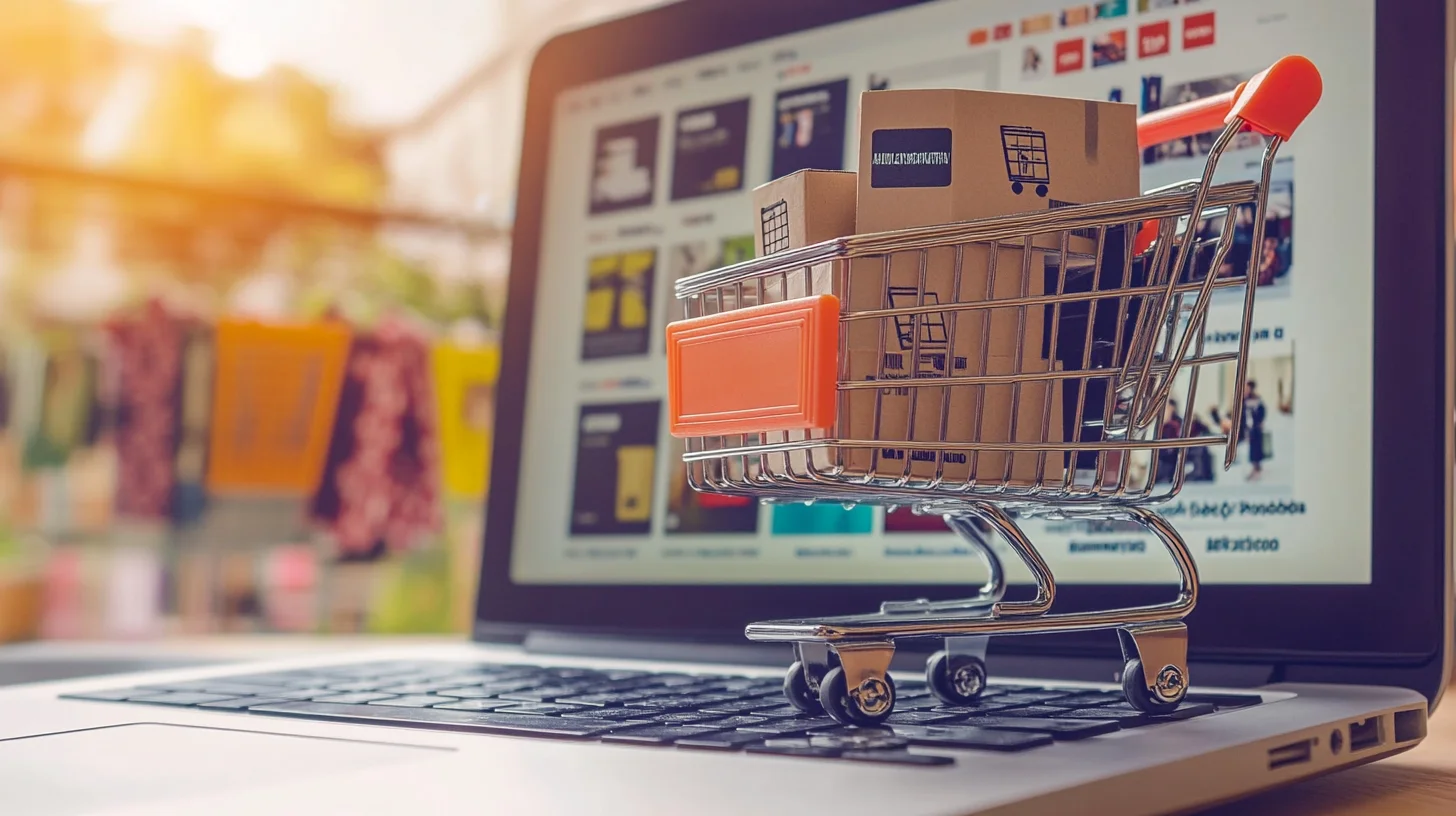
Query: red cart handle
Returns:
{"type": "Point", "coordinates": [1274, 102]}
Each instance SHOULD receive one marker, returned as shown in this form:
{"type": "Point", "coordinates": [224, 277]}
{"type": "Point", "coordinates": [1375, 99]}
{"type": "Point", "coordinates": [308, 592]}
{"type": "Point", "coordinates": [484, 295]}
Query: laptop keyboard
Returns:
{"type": "Point", "coordinates": [716, 712]}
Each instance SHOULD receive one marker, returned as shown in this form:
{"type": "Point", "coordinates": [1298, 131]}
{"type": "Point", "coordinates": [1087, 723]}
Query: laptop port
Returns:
{"type": "Point", "coordinates": [1291, 754]}
{"type": "Point", "coordinates": [1410, 725]}
{"type": "Point", "coordinates": [1365, 734]}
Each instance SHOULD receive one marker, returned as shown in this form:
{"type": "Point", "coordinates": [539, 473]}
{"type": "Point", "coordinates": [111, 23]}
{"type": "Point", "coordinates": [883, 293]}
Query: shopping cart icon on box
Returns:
{"type": "Point", "coordinates": [1026, 158]}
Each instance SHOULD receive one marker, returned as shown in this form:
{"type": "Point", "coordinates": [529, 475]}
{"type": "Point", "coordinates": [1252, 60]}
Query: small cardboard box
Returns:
{"type": "Point", "coordinates": [804, 208]}
{"type": "Point", "coordinates": [930, 157]}
{"type": "Point", "coordinates": [799, 210]}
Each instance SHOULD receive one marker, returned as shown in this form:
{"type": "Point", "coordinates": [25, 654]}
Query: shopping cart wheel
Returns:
{"type": "Point", "coordinates": [1016, 187]}
{"type": "Point", "coordinates": [956, 679]}
{"type": "Point", "coordinates": [798, 693]}
{"type": "Point", "coordinates": [868, 704]}
{"type": "Point", "coordinates": [1171, 688]}
{"type": "Point", "coordinates": [1041, 190]}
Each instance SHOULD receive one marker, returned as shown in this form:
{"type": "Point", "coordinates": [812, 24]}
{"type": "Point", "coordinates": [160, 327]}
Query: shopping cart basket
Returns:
{"type": "Point", "coordinates": [857, 371]}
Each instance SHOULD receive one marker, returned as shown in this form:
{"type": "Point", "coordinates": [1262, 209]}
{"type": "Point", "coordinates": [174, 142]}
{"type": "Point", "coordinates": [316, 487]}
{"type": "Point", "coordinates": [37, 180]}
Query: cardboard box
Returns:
{"type": "Point", "coordinates": [930, 157]}
{"type": "Point", "coordinates": [799, 210]}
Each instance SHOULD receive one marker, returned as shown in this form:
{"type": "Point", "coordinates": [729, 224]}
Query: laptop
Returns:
{"type": "Point", "coordinates": [608, 669]}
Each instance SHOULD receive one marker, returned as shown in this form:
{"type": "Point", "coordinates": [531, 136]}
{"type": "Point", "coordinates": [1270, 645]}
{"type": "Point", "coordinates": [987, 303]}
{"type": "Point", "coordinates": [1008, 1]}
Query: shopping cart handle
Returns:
{"type": "Point", "coordinates": [1274, 102]}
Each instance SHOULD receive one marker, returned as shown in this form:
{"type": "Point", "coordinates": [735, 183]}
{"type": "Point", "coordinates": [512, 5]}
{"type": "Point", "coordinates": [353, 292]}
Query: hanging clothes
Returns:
{"type": "Point", "coordinates": [381, 484]}
{"type": "Point", "coordinates": [148, 353]}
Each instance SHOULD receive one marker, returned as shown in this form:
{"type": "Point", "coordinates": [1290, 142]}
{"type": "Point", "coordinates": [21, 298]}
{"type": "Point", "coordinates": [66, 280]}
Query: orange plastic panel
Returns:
{"type": "Point", "coordinates": [764, 368]}
{"type": "Point", "coordinates": [1278, 98]}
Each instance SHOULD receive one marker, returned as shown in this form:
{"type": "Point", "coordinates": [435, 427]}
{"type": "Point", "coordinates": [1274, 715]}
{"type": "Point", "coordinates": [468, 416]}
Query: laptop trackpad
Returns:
{"type": "Point", "coordinates": [129, 765]}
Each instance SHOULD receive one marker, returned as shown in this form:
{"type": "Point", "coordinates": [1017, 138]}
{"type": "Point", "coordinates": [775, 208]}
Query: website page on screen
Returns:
{"type": "Point", "coordinates": [649, 180]}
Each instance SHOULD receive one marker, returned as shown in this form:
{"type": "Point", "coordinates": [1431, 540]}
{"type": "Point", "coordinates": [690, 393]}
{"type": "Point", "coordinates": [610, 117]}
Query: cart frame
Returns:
{"type": "Point", "coordinates": [1159, 244]}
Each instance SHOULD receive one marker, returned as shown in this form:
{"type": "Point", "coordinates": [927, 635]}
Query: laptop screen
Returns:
{"type": "Point", "coordinates": [648, 181]}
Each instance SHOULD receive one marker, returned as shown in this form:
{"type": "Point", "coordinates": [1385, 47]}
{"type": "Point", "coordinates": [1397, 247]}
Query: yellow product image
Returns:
{"type": "Point", "coordinates": [634, 482]}
{"type": "Point", "coordinates": [636, 284]}
{"type": "Point", "coordinates": [633, 309]}
{"type": "Point", "coordinates": [603, 281]}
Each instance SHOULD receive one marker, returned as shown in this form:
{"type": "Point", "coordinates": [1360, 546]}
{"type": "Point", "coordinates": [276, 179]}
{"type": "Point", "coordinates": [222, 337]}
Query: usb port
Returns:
{"type": "Point", "coordinates": [1365, 734]}
{"type": "Point", "coordinates": [1291, 754]}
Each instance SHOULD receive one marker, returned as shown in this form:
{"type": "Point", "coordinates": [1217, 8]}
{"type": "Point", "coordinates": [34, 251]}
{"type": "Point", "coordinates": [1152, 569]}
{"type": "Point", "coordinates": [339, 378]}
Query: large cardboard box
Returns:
{"type": "Point", "coordinates": [931, 157]}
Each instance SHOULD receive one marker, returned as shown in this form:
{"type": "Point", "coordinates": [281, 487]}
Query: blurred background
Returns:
{"type": "Point", "coordinates": [195, 192]}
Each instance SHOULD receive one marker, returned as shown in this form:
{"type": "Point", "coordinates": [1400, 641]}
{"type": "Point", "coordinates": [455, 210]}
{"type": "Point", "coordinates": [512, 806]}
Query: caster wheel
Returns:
{"type": "Point", "coordinates": [1041, 190]}
{"type": "Point", "coordinates": [798, 693]}
{"type": "Point", "coordinates": [1016, 187]}
{"type": "Point", "coordinates": [956, 679]}
{"type": "Point", "coordinates": [870, 704]}
{"type": "Point", "coordinates": [1172, 687]}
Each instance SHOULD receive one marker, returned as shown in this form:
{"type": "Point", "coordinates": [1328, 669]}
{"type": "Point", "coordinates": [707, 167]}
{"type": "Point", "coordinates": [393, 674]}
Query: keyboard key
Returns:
{"type": "Point", "coordinates": [410, 688]}
{"type": "Point", "coordinates": [858, 739]}
{"type": "Point", "coordinates": [657, 734]}
{"type": "Point", "coordinates": [781, 709]}
{"type": "Point", "coordinates": [722, 741]}
{"type": "Point", "coordinates": [1125, 719]}
{"type": "Point", "coordinates": [1030, 711]}
{"type": "Point", "coordinates": [357, 698]}
{"type": "Point", "coordinates": [749, 684]}
{"type": "Point", "coordinates": [624, 674]}
{"type": "Point", "coordinates": [179, 698]}
{"type": "Point", "coordinates": [801, 725]}
{"type": "Point", "coordinates": [741, 721]}
{"type": "Point", "coordinates": [794, 751]}
{"type": "Point", "coordinates": [671, 703]}
{"type": "Point", "coordinates": [310, 693]}
{"type": "Point", "coordinates": [687, 718]}
{"type": "Point", "coordinates": [243, 703]}
{"type": "Point", "coordinates": [618, 714]}
{"type": "Point", "coordinates": [508, 686]}
{"type": "Point", "coordinates": [542, 694]}
{"type": "Point", "coordinates": [617, 687]}
{"type": "Point", "coordinates": [1059, 729]}
{"type": "Point", "coordinates": [744, 707]}
{"type": "Point", "coordinates": [414, 701]}
{"type": "Point", "coordinates": [1030, 698]}
{"type": "Point", "coordinates": [1182, 712]}
{"type": "Point", "coordinates": [356, 685]}
{"type": "Point", "coordinates": [899, 758]}
{"type": "Point", "coordinates": [565, 673]}
{"type": "Point", "coordinates": [478, 705]}
{"type": "Point", "coordinates": [1223, 700]}
{"type": "Point", "coordinates": [482, 722]}
{"type": "Point", "coordinates": [467, 693]}
{"type": "Point", "coordinates": [108, 696]}
{"type": "Point", "coordinates": [216, 687]}
{"type": "Point", "coordinates": [539, 708]}
{"type": "Point", "coordinates": [287, 680]}
{"type": "Point", "coordinates": [921, 717]}
{"type": "Point", "coordinates": [600, 699]}
{"type": "Point", "coordinates": [1091, 698]}
{"type": "Point", "coordinates": [965, 736]}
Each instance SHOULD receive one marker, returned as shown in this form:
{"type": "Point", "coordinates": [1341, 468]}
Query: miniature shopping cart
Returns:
{"type": "Point", "coordinates": [856, 371]}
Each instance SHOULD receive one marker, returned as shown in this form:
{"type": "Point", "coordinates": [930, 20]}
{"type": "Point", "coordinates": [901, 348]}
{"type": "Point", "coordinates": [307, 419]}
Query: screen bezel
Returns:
{"type": "Point", "coordinates": [1398, 618]}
